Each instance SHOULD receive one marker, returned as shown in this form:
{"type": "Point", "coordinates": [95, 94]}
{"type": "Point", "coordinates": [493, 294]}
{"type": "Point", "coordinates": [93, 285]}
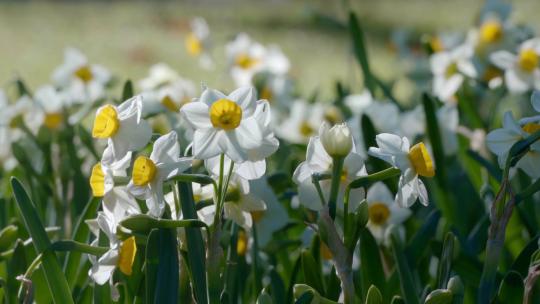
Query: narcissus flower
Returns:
{"type": "Point", "coordinates": [82, 81]}
{"type": "Point", "coordinates": [413, 162]}
{"type": "Point", "coordinates": [521, 71]}
{"type": "Point", "coordinates": [255, 165]}
{"type": "Point", "coordinates": [500, 141]}
{"type": "Point", "coordinates": [50, 107]}
{"type": "Point", "coordinates": [198, 43]}
{"type": "Point", "coordinates": [225, 124]}
{"type": "Point", "coordinates": [123, 127]}
{"type": "Point", "coordinates": [149, 173]}
{"type": "Point", "coordinates": [449, 69]}
{"type": "Point", "coordinates": [337, 140]}
{"type": "Point", "coordinates": [383, 211]}
{"type": "Point", "coordinates": [302, 123]}
{"type": "Point", "coordinates": [318, 161]}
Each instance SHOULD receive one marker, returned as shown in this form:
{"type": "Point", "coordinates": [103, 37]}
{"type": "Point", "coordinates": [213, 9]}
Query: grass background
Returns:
{"type": "Point", "coordinates": [129, 36]}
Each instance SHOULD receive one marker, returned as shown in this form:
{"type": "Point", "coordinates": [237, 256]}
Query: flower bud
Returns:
{"type": "Point", "coordinates": [337, 141]}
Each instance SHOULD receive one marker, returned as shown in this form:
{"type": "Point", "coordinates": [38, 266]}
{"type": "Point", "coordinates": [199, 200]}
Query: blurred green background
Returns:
{"type": "Point", "coordinates": [129, 36]}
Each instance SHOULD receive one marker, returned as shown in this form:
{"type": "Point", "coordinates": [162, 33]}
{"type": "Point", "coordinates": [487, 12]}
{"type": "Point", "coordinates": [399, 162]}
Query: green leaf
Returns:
{"type": "Point", "coordinates": [56, 281]}
{"type": "Point", "coordinates": [312, 272]}
{"type": "Point", "coordinates": [495, 172]}
{"type": "Point", "coordinates": [195, 245]}
{"type": "Point", "coordinates": [434, 134]}
{"type": "Point", "coordinates": [408, 289]}
{"type": "Point", "coordinates": [194, 178]}
{"type": "Point", "coordinates": [145, 223]}
{"type": "Point", "coordinates": [22, 89]}
{"type": "Point", "coordinates": [278, 287]}
{"type": "Point", "coordinates": [439, 296]}
{"type": "Point", "coordinates": [127, 91]}
{"type": "Point", "coordinates": [151, 264]}
{"type": "Point", "coordinates": [373, 295]}
{"type": "Point", "coordinates": [371, 269]}
{"type": "Point", "coordinates": [69, 245]}
{"type": "Point", "coordinates": [80, 234]}
{"type": "Point", "coordinates": [445, 264]}
{"type": "Point", "coordinates": [168, 275]}
{"type": "Point", "coordinates": [417, 244]}
{"type": "Point", "coordinates": [360, 52]}
{"type": "Point", "coordinates": [511, 289]}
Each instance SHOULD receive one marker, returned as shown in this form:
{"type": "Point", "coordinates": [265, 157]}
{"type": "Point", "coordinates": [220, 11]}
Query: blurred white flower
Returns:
{"type": "Point", "coordinates": [164, 89]}
{"type": "Point", "coordinates": [318, 161]}
{"type": "Point", "coordinates": [247, 57]}
{"type": "Point", "coordinates": [198, 42]}
{"type": "Point", "coordinates": [449, 69]}
{"type": "Point", "coordinates": [123, 127]}
{"type": "Point", "coordinates": [9, 130]}
{"type": "Point", "coordinates": [413, 162]}
{"type": "Point", "coordinates": [521, 71]}
{"type": "Point", "coordinates": [302, 123]}
{"type": "Point", "coordinates": [383, 211]}
{"type": "Point", "coordinates": [225, 124]}
{"type": "Point", "coordinates": [149, 173]}
{"type": "Point", "coordinates": [50, 104]}
{"type": "Point", "coordinates": [82, 82]}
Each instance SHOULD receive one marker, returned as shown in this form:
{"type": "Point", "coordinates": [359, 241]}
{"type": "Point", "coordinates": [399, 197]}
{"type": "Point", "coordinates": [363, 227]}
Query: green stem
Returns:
{"type": "Point", "coordinates": [337, 167]}
{"type": "Point", "coordinates": [255, 256]}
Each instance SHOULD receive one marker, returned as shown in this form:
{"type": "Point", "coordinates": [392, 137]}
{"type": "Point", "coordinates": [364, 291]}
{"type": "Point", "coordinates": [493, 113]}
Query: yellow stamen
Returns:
{"type": "Point", "coordinates": [241, 244]}
{"type": "Point", "coordinates": [421, 161]}
{"type": "Point", "coordinates": [528, 60]}
{"type": "Point", "coordinates": [126, 255]}
{"type": "Point", "coordinates": [306, 129]}
{"type": "Point", "coordinates": [245, 61]}
{"type": "Point", "coordinates": [144, 171]}
{"type": "Point", "coordinates": [53, 120]}
{"type": "Point", "coordinates": [491, 73]}
{"type": "Point", "coordinates": [491, 31]}
{"type": "Point", "coordinates": [225, 114]}
{"type": "Point", "coordinates": [257, 215]}
{"type": "Point", "coordinates": [193, 45]}
{"type": "Point", "coordinates": [97, 181]}
{"type": "Point", "coordinates": [378, 213]}
{"type": "Point", "coordinates": [451, 70]}
{"type": "Point", "coordinates": [531, 127]}
{"type": "Point", "coordinates": [344, 174]}
{"type": "Point", "coordinates": [325, 251]}
{"type": "Point", "coordinates": [333, 115]}
{"type": "Point", "coordinates": [169, 103]}
{"type": "Point", "coordinates": [84, 73]}
{"type": "Point", "coordinates": [106, 123]}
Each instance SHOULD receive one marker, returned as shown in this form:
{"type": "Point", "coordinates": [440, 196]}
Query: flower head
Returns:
{"type": "Point", "coordinates": [337, 141]}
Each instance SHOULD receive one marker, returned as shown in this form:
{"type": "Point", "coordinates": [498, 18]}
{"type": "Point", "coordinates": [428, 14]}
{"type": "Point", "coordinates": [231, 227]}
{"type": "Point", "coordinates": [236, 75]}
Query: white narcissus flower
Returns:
{"type": "Point", "coordinates": [123, 127]}
{"type": "Point", "coordinates": [413, 162]}
{"type": "Point", "coordinates": [149, 173]}
{"type": "Point", "coordinates": [50, 107]}
{"type": "Point", "coordinates": [521, 71]}
{"type": "Point", "coordinates": [303, 122]}
{"type": "Point", "coordinates": [121, 254]}
{"type": "Point", "coordinates": [164, 89]}
{"type": "Point", "coordinates": [198, 43]}
{"type": "Point", "coordinates": [246, 58]}
{"type": "Point", "coordinates": [82, 81]}
{"type": "Point", "coordinates": [9, 131]}
{"type": "Point", "coordinates": [255, 165]}
{"type": "Point", "coordinates": [225, 124]}
{"type": "Point", "coordinates": [239, 206]}
{"type": "Point", "coordinates": [500, 141]}
{"type": "Point", "coordinates": [383, 211]}
{"type": "Point", "coordinates": [318, 161]}
{"type": "Point", "coordinates": [449, 69]}
{"type": "Point", "coordinates": [337, 140]}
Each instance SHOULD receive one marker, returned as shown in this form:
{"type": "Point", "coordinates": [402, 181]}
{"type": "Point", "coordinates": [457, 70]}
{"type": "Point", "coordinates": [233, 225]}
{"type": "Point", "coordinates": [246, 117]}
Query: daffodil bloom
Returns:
{"type": "Point", "coordinates": [246, 58]}
{"type": "Point", "coordinates": [239, 206]}
{"type": "Point", "coordinates": [383, 211]}
{"type": "Point", "coordinates": [82, 81]}
{"type": "Point", "coordinates": [255, 165]}
{"type": "Point", "coordinates": [164, 89]}
{"type": "Point", "coordinates": [149, 173]}
{"type": "Point", "coordinates": [225, 124]}
{"type": "Point", "coordinates": [302, 123]}
{"type": "Point", "coordinates": [198, 42]}
{"type": "Point", "coordinates": [123, 127]}
{"type": "Point", "coordinates": [449, 69]}
{"type": "Point", "coordinates": [318, 161]}
{"type": "Point", "coordinates": [9, 131]}
{"type": "Point", "coordinates": [521, 71]}
{"type": "Point", "coordinates": [500, 141]}
{"type": "Point", "coordinates": [121, 254]}
{"type": "Point", "coordinates": [413, 162]}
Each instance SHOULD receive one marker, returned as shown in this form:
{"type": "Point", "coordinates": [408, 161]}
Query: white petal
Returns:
{"type": "Point", "coordinates": [205, 143]}
{"type": "Point", "coordinates": [209, 96]}
{"type": "Point", "coordinates": [249, 132]}
{"type": "Point", "coordinates": [166, 149]}
{"type": "Point", "coordinates": [503, 59]}
{"type": "Point", "coordinates": [197, 115]}
{"type": "Point", "coordinates": [238, 216]}
{"type": "Point", "coordinates": [245, 98]}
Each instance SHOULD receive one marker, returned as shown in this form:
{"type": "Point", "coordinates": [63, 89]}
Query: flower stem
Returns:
{"type": "Point", "coordinates": [337, 167]}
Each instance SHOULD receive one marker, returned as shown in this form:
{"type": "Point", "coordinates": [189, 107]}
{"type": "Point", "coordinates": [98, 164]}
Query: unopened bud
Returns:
{"type": "Point", "coordinates": [337, 141]}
